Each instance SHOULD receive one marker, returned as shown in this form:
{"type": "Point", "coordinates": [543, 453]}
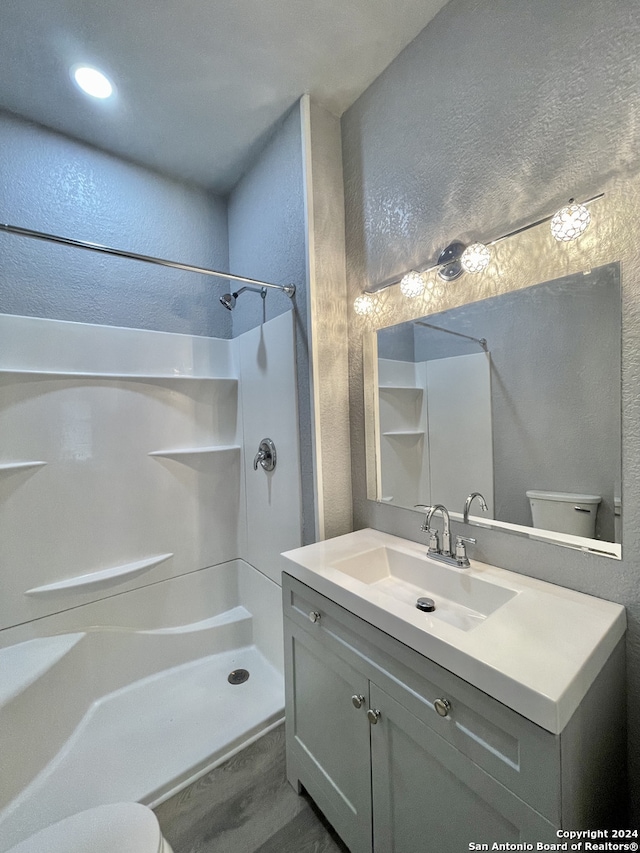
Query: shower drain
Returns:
{"type": "Point", "coordinates": [238, 676]}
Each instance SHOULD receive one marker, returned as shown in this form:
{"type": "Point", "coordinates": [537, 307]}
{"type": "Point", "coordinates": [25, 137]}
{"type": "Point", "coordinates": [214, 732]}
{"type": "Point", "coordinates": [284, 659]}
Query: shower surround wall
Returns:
{"type": "Point", "coordinates": [492, 117]}
{"type": "Point", "coordinates": [286, 224]}
{"type": "Point", "coordinates": [127, 465]}
{"type": "Point", "coordinates": [168, 531]}
{"type": "Point", "coordinates": [267, 240]}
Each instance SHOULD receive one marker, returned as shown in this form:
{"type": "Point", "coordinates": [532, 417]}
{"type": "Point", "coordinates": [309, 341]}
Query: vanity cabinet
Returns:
{"type": "Point", "coordinates": [331, 752]}
{"type": "Point", "coordinates": [402, 755]}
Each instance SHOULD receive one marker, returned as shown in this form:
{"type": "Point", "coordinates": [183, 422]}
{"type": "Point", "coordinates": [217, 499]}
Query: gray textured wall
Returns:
{"type": "Point", "coordinates": [267, 240]}
{"type": "Point", "coordinates": [498, 112]}
{"type": "Point", "coordinates": [397, 343]}
{"type": "Point", "coordinates": [328, 318]}
{"type": "Point", "coordinates": [54, 184]}
{"type": "Point", "coordinates": [266, 226]}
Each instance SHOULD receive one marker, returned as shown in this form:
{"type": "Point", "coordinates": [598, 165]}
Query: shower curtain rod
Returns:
{"type": "Point", "coordinates": [481, 341]}
{"type": "Point", "coordinates": [289, 289]}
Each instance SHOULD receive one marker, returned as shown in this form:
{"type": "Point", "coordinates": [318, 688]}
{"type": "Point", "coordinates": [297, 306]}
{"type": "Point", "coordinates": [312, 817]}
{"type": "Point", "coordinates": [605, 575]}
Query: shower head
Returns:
{"type": "Point", "coordinates": [229, 299]}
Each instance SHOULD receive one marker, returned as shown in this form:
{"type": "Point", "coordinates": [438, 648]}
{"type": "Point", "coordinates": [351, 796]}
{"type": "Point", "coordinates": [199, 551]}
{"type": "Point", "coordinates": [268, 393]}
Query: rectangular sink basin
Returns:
{"type": "Point", "coordinates": [534, 646]}
{"type": "Point", "coordinates": [460, 599]}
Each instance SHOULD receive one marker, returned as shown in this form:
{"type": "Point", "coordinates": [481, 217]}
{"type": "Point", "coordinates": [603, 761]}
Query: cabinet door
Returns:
{"type": "Point", "coordinates": [328, 747]}
{"type": "Point", "coordinates": [429, 796]}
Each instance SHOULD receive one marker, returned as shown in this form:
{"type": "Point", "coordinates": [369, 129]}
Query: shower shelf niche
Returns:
{"type": "Point", "coordinates": [179, 453]}
{"type": "Point", "coordinates": [19, 466]}
{"type": "Point", "coordinates": [68, 374]}
{"type": "Point", "coordinates": [91, 580]}
{"type": "Point", "coordinates": [392, 389]}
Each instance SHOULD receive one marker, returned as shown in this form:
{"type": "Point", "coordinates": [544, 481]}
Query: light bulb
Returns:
{"type": "Point", "coordinates": [363, 304]}
{"type": "Point", "coordinates": [475, 258]}
{"type": "Point", "coordinates": [92, 82]}
{"type": "Point", "coordinates": [570, 222]}
{"type": "Point", "coordinates": [412, 284]}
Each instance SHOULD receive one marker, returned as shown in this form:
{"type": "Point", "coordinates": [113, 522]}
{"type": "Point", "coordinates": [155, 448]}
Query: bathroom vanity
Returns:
{"type": "Point", "coordinates": [498, 717]}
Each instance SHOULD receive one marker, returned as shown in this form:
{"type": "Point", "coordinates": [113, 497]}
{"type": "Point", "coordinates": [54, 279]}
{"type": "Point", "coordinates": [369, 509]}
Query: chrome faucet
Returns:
{"type": "Point", "coordinates": [469, 501]}
{"type": "Point", "coordinates": [458, 556]}
{"type": "Point", "coordinates": [446, 531]}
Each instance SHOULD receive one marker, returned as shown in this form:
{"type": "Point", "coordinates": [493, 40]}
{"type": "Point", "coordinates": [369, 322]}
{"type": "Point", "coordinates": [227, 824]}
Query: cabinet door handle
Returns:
{"type": "Point", "coordinates": [442, 706]}
{"type": "Point", "coordinates": [314, 616]}
{"type": "Point", "coordinates": [358, 700]}
{"type": "Point", "coordinates": [373, 715]}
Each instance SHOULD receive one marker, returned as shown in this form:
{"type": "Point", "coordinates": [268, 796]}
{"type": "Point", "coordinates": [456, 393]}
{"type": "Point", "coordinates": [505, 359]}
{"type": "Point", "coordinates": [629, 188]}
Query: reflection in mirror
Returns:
{"type": "Point", "coordinates": [517, 397]}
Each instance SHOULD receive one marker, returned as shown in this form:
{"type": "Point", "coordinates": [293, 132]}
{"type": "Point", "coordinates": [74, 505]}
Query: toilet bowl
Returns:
{"type": "Point", "coordinates": [564, 512]}
{"type": "Point", "coordinates": [116, 828]}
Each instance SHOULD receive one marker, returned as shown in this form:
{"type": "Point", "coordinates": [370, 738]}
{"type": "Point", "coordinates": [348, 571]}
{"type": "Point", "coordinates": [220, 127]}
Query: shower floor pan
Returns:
{"type": "Point", "coordinates": [116, 714]}
{"type": "Point", "coordinates": [145, 741]}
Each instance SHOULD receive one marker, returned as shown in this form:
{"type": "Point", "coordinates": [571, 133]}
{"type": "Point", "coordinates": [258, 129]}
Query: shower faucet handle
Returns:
{"type": "Point", "coordinates": [266, 455]}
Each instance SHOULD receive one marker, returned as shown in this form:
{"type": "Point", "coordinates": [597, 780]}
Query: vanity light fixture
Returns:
{"type": "Point", "coordinates": [567, 224]}
{"type": "Point", "coordinates": [475, 258]}
{"type": "Point", "coordinates": [570, 222]}
{"type": "Point", "coordinates": [412, 284]}
{"type": "Point", "coordinates": [364, 304]}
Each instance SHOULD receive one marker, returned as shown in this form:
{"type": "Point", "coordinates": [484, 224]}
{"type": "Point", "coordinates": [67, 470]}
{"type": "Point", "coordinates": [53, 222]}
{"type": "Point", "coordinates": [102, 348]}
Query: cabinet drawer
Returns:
{"type": "Point", "coordinates": [510, 748]}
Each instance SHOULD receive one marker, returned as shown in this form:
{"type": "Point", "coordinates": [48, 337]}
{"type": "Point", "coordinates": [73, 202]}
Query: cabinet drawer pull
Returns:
{"type": "Point", "coordinates": [357, 701]}
{"type": "Point", "coordinates": [373, 715]}
{"type": "Point", "coordinates": [314, 616]}
{"type": "Point", "coordinates": [442, 706]}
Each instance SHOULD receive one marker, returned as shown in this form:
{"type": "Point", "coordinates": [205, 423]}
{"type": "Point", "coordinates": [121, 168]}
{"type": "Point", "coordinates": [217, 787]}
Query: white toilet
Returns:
{"type": "Point", "coordinates": [116, 828]}
{"type": "Point", "coordinates": [565, 512]}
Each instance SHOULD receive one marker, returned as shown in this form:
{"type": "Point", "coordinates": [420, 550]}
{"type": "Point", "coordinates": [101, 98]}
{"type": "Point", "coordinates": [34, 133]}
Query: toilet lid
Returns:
{"type": "Point", "coordinates": [565, 497]}
{"type": "Point", "coordinates": [116, 828]}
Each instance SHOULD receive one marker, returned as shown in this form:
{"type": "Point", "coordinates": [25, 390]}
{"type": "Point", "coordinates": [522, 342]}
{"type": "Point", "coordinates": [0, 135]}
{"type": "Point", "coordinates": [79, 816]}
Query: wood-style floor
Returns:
{"type": "Point", "coordinates": [247, 806]}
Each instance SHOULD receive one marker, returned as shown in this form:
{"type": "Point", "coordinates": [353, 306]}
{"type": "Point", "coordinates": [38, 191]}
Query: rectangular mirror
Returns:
{"type": "Point", "coordinates": [517, 397]}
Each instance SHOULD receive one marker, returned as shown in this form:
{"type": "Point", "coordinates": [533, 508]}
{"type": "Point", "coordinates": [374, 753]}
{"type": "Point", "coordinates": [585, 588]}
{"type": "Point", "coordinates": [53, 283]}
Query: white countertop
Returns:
{"type": "Point", "coordinates": [538, 653]}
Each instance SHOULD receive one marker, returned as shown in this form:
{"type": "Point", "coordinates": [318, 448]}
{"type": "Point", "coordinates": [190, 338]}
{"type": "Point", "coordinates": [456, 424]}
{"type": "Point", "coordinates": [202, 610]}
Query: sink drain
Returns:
{"type": "Point", "coordinates": [238, 676]}
{"type": "Point", "coordinates": [427, 605]}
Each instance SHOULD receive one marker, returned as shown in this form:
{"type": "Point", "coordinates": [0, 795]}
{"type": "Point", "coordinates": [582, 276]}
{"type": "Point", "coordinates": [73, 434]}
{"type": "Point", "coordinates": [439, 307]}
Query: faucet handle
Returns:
{"type": "Point", "coordinates": [461, 550]}
{"type": "Point", "coordinates": [434, 542]}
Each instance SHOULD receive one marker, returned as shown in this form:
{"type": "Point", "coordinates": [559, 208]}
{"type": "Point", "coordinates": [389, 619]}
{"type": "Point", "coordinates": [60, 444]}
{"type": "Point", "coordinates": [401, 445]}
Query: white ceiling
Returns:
{"type": "Point", "coordinates": [199, 82]}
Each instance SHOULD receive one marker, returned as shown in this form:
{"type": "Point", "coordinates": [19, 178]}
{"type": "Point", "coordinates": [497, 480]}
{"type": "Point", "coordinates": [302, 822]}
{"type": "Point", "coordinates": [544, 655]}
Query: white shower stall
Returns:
{"type": "Point", "coordinates": [140, 553]}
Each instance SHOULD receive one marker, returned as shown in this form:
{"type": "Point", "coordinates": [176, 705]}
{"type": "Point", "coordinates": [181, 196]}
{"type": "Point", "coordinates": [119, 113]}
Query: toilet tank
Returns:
{"type": "Point", "coordinates": [565, 512]}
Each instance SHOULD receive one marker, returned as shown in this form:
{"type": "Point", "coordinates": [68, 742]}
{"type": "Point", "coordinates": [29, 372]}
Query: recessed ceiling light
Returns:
{"type": "Point", "coordinates": [92, 81]}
